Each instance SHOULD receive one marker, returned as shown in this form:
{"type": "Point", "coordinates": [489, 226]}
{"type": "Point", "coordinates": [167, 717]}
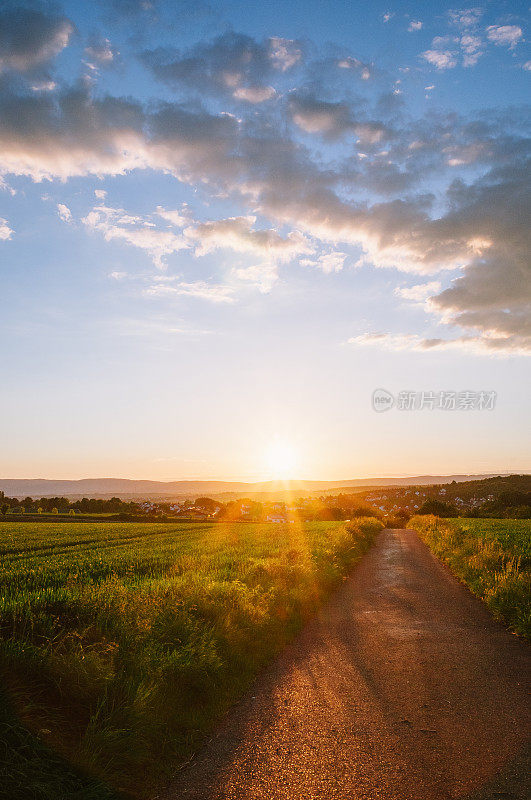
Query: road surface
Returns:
{"type": "Point", "coordinates": [403, 688]}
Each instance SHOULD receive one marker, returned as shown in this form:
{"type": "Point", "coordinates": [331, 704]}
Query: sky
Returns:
{"type": "Point", "coordinates": [224, 226]}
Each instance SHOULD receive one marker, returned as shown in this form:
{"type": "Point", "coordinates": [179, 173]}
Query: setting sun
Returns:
{"type": "Point", "coordinates": [281, 459]}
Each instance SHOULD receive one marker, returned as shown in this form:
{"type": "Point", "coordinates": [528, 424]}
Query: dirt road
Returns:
{"type": "Point", "coordinates": [404, 688]}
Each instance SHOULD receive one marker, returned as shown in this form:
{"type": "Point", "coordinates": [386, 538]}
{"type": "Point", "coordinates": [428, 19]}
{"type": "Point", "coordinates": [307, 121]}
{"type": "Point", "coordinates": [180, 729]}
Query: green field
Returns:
{"type": "Point", "coordinates": [122, 643]}
{"type": "Point", "coordinates": [492, 556]}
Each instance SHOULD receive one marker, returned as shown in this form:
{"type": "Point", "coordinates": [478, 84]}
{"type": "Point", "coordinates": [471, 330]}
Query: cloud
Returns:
{"type": "Point", "coordinates": [5, 231]}
{"type": "Point", "coordinates": [178, 217]}
{"type": "Point", "coordinates": [261, 276]}
{"type": "Point", "coordinates": [319, 116]}
{"type": "Point", "coordinates": [118, 275]}
{"type": "Point", "coordinates": [254, 94]}
{"type": "Point", "coordinates": [44, 86]}
{"type": "Point", "coordinates": [418, 293]}
{"type": "Point", "coordinates": [504, 35]}
{"type": "Point", "coordinates": [116, 224]}
{"type": "Point", "coordinates": [527, 66]}
{"type": "Point", "coordinates": [72, 134]}
{"type": "Point", "coordinates": [465, 17]}
{"type": "Point", "coordinates": [397, 342]}
{"type": "Point", "coordinates": [232, 64]}
{"type": "Point", "coordinates": [327, 262]}
{"type": "Point", "coordinates": [415, 25]}
{"type": "Point", "coordinates": [364, 70]}
{"type": "Point", "coordinates": [332, 120]}
{"type": "Point", "coordinates": [100, 53]}
{"type": "Point", "coordinates": [284, 53]}
{"type": "Point", "coordinates": [471, 47]}
{"type": "Point", "coordinates": [29, 38]}
{"type": "Point", "coordinates": [492, 296]}
{"type": "Point", "coordinates": [442, 59]}
{"type": "Point", "coordinates": [446, 50]}
{"type": "Point", "coordinates": [64, 212]}
{"type": "Point", "coordinates": [216, 293]}
{"type": "Point", "coordinates": [238, 234]}
{"type": "Point", "coordinates": [387, 16]}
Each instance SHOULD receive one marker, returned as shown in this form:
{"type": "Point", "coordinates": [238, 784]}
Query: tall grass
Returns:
{"type": "Point", "coordinates": [493, 557]}
{"type": "Point", "coordinates": [126, 641]}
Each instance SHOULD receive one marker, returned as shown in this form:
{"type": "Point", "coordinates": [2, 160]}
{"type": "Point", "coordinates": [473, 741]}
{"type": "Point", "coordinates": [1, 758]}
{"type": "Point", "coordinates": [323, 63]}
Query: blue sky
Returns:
{"type": "Point", "coordinates": [225, 225]}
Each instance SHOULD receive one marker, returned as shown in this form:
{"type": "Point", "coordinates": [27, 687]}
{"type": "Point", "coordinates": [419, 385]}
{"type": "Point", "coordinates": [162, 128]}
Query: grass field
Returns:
{"type": "Point", "coordinates": [493, 557]}
{"type": "Point", "coordinates": [122, 643]}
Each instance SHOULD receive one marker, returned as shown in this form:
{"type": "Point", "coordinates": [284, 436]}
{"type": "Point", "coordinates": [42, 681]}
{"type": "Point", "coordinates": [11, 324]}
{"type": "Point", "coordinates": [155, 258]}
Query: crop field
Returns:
{"type": "Point", "coordinates": [492, 556]}
{"type": "Point", "coordinates": [121, 644]}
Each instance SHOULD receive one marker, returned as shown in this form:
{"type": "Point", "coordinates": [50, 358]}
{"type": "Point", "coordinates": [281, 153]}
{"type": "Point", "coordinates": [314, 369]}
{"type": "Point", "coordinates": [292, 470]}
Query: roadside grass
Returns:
{"type": "Point", "coordinates": [493, 557]}
{"type": "Point", "coordinates": [122, 643]}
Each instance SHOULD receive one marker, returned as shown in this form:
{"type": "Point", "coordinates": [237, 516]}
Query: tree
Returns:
{"type": "Point", "coordinates": [207, 504]}
{"type": "Point", "coordinates": [4, 509]}
{"type": "Point", "coordinates": [438, 508]}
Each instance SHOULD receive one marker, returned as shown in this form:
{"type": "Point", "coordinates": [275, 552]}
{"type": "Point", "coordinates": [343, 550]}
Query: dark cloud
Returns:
{"type": "Point", "coordinates": [30, 38]}
{"type": "Point", "coordinates": [229, 64]}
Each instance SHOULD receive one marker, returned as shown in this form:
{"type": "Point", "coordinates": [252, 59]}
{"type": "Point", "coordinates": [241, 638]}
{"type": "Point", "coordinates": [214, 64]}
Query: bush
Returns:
{"type": "Point", "coordinates": [493, 557]}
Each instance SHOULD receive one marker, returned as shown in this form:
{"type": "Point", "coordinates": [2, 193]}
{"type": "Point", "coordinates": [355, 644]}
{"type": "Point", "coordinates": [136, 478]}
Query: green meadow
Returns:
{"type": "Point", "coordinates": [121, 644]}
{"type": "Point", "coordinates": [492, 556]}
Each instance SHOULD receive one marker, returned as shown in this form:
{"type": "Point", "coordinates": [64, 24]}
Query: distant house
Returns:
{"type": "Point", "coordinates": [275, 518]}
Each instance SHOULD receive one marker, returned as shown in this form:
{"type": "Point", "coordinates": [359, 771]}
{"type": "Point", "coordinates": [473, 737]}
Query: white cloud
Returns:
{"type": "Point", "coordinates": [471, 47]}
{"type": "Point", "coordinates": [504, 35]}
{"type": "Point", "coordinates": [134, 231]}
{"type": "Point", "coordinates": [352, 63]}
{"type": "Point", "coordinates": [64, 212]}
{"type": "Point", "coordinates": [387, 16]}
{"type": "Point", "coordinates": [117, 275]}
{"type": "Point", "coordinates": [527, 66]}
{"type": "Point", "coordinates": [284, 53]}
{"type": "Point", "coordinates": [100, 53]}
{"type": "Point", "coordinates": [466, 17]}
{"type": "Point", "coordinates": [415, 25]}
{"type": "Point", "coordinates": [216, 293]}
{"type": "Point", "coordinates": [442, 59]}
{"type": "Point", "coordinates": [238, 234]}
{"type": "Point", "coordinates": [101, 194]}
{"type": "Point", "coordinates": [261, 276]}
{"type": "Point", "coordinates": [418, 293]}
{"type": "Point", "coordinates": [5, 231]}
{"type": "Point", "coordinates": [178, 217]}
{"type": "Point", "coordinates": [44, 86]}
{"type": "Point", "coordinates": [327, 262]}
{"type": "Point", "coordinates": [478, 345]}
{"type": "Point", "coordinates": [254, 94]}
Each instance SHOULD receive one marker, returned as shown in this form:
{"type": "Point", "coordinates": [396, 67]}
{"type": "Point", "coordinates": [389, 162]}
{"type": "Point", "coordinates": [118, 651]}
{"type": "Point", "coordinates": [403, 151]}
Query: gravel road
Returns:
{"type": "Point", "coordinates": [403, 688]}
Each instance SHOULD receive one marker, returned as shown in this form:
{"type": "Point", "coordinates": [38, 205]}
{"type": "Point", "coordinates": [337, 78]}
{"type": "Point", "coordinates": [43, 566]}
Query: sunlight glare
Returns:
{"type": "Point", "coordinates": [281, 459]}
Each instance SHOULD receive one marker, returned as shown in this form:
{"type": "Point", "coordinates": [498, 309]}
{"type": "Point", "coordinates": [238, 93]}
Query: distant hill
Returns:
{"type": "Point", "coordinates": [136, 489]}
